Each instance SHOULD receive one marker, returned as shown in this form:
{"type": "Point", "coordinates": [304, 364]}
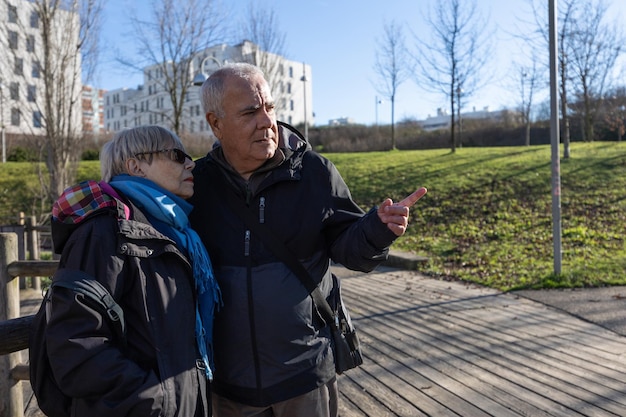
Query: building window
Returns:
{"type": "Point", "coordinates": [12, 14]}
{"type": "Point", "coordinates": [19, 66]}
{"type": "Point", "coordinates": [15, 91]}
{"type": "Point", "coordinates": [37, 119]}
{"type": "Point", "coordinates": [12, 39]}
{"type": "Point", "coordinates": [291, 105]}
{"type": "Point", "coordinates": [34, 20]}
{"type": "Point", "coordinates": [32, 93]}
{"type": "Point", "coordinates": [15, 117]}
{"type": "Point", "coordinates": [290, 72]}
{"type": "Point", "coordinates": [36, 69]}
{"type": "Point", "coordinates": [30, 43]}
{"type": "Point", "coordinates": [288, 88]}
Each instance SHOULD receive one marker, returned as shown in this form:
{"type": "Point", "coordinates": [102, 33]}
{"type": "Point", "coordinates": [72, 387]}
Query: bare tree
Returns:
{"type": "Point", "coordinates": [528, 83]}
{"type": "Point", "coordinates": [65, 46]}
{"type": "Point", "coordinates": [615, 111]}
{"type": "Point", "coordinates": [392, 67]}
{"type": "Point", "coordinates": [453, 61]}
{"type": "Point", "coordinates": [261, 27]}
{"type": "Point", "coordinates": [566, 13]}
{"type": "Point", "coordinates": [595, 48]}
{"type": "Point", "coordinates": [167, 44]}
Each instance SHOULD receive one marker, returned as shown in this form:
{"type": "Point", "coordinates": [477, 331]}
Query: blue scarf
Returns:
{"type": "Point", "coordinates": [170, 213]}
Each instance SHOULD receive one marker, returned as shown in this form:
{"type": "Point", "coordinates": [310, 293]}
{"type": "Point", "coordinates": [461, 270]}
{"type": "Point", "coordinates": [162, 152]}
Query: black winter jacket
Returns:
{"type": "Point", "coordinates": [270, 344]}
{"type": "Point", "coordinates": [157, 373]}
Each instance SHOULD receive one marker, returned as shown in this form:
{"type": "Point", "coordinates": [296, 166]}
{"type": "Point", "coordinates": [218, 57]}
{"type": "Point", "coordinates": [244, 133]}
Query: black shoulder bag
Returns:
{"type": "Point", "coordinates": [345, 342]}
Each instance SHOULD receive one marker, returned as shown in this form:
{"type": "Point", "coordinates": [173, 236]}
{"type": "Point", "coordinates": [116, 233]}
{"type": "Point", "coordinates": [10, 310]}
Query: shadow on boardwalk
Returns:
{"type": "Point", "coordinates": [438, 348]}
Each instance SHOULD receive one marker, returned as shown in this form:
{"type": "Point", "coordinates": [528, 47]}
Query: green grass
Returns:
{"type": "Point", "coordinates": [487, 217]}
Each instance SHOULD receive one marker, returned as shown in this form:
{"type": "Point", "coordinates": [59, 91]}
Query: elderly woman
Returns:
{"type": "Point", "coordinates": [130, 232]}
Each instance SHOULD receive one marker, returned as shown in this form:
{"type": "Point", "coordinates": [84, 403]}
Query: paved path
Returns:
{"type": "Point", "coordinates": [439, 348]}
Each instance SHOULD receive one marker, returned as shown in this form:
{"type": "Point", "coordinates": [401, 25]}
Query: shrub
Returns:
{"type": "Point", "coordinates": [21, 154]}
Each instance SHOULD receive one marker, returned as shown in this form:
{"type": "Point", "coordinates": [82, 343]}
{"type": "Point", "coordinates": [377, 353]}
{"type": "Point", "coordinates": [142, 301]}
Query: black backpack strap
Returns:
{"type": "Point", "coordinates": [95, 293]}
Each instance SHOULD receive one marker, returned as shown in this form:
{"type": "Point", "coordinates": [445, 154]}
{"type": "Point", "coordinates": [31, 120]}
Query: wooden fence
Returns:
{"type": "Point", "coordinates": [13, 328]}
{"type": "Point", "coordinates": [29, 235]}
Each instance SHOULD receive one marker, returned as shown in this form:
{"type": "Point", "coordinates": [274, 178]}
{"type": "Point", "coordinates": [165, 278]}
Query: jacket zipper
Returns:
{"type": "Point", "coordinates": [246, 244]}
{"type": "Point", "coordinates": [262, 210]}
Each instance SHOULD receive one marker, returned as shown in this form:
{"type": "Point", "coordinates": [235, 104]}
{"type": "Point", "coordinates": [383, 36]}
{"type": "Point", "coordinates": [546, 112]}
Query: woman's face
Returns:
{"type": "Point", "coordinates": [170, 169]}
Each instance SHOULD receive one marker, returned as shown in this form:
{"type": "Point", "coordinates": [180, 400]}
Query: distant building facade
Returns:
{"type": "Point", "coordinates": [22, 88]}
{"type": "Point", "coordinates": [443, 120]}
{"type": "Point", "coordinates": [150, 103]}
{"type": "Point", "coordinates": [93, 110]}
{"type": "Point", "coordinates": [341, 121]}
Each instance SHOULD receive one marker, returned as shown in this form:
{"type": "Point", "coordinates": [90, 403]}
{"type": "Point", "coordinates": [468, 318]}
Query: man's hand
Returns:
{"type": "Point", "coordinates": [396, 215]}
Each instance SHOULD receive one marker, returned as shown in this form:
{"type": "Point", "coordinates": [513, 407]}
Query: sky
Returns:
{"type": "Point", "coordinates": [339, 40]}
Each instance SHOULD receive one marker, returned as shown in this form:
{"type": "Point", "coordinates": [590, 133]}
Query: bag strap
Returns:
{"type": "Point", "coordinates": [85, 284]}
{"type": "Point", "coordinates": [281, 251]}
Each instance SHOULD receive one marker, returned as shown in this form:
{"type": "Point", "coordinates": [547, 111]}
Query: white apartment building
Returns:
{"type": "Point", "coordinates": [21, 72]}
{"type": "Point", "coordinates": [443, 120]}
{"type": "Point", "coordinates": [149, 103]}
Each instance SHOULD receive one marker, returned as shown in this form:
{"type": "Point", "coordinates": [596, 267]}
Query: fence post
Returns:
{"type": "Point", "coordinates": [11, 394]}
{"type": "Point", "coordinates": [22, 246]}
{"type": "Point", "coordinates": [32, 237]}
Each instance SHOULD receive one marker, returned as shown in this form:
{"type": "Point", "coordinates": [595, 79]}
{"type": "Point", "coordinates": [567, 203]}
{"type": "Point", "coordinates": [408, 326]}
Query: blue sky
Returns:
{"type": "Point", "coordinates": [338, 38]}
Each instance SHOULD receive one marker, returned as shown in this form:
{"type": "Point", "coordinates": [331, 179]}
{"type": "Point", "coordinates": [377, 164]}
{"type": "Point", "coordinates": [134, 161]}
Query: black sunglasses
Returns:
{"type": "Point", "coordinates": [174, 154]}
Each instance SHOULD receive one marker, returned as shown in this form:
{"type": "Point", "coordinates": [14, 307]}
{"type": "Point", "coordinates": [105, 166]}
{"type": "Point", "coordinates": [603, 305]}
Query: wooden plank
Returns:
{"type": "Point", "coordinates": [356, 401]}
{"type": "Point", "coordinates": [391, 299]}
{"type": "Point", "coordinates": [440, 363]}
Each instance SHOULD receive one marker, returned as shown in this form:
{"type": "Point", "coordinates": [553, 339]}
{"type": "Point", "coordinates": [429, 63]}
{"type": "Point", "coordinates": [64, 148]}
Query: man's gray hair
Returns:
{"type": "Point", "coordinates": [129, 142]}
{"type": "Point", "coordinates": [213, 87]}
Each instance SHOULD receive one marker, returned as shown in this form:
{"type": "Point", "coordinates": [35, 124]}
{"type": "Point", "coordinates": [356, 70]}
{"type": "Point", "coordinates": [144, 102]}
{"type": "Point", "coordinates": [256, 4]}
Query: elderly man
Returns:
{"type": "Point", "coordinates": [273, 353]}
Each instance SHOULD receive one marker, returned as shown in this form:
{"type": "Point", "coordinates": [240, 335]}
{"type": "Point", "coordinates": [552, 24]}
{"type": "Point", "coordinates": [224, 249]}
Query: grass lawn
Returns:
{"type": "Point", "coordinates": [487, 217]}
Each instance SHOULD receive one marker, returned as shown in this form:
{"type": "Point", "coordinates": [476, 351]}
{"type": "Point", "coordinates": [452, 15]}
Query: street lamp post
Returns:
{"type": "Point", "coordinates": [304, 80]}
{"type": "Point", "coordinates": [458, 112]}
{"type": "Point", "coordinates": [201, 76]}
{"type": "Point", "coordinates": [3, 133]}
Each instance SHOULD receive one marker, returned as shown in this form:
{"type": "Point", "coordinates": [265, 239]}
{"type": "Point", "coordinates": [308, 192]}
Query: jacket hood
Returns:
{"type": "Point", "coordinates": [79, 202]}
{"type": "Point", "coordinates": [289, 138]}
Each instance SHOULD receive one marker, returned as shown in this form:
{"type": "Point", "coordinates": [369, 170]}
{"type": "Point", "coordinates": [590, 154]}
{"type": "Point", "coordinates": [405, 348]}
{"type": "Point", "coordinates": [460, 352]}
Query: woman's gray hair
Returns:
{"type": "Point", "coordinates": [129, 142]}
{"type": "Point", "coordinates": [213, 87]}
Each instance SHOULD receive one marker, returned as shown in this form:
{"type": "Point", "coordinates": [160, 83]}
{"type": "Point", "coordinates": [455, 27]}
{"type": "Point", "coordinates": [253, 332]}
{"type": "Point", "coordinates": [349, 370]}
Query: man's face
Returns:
{"type": "Point", "coordinates": [247, 132]}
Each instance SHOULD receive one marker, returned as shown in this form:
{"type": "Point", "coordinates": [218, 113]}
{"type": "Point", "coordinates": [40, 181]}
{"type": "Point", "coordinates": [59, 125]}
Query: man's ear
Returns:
{"type": "Point", "coordinates": [215, 124]}
{"type": "Point", "coordinates": [133, 167]}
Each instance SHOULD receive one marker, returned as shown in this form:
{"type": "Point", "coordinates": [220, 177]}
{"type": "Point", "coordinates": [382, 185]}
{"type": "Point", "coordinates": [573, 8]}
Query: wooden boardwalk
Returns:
{"type": "Point", "coordinates": [437, 348]}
